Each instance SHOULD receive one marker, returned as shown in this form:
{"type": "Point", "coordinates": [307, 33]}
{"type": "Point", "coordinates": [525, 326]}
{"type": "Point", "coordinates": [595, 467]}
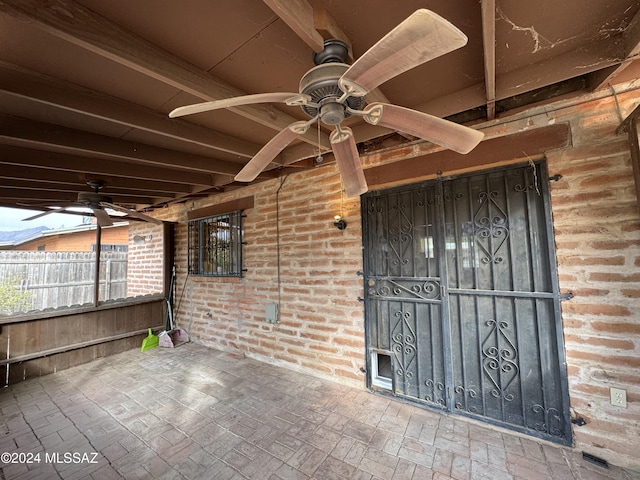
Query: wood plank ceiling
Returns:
{"type": "Point", "coordinates": [86, 86]}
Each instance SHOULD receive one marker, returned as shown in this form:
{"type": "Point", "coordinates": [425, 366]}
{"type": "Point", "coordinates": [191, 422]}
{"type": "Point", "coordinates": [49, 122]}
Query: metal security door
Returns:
{"type": "Point", "coordinates": [462, 297]}
{"type": "Point", "coordinates": [404, 294]}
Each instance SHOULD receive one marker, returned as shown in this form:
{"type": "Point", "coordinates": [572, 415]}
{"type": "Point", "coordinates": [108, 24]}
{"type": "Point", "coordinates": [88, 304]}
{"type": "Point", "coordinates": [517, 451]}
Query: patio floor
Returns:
{"type": "Point", "coordinates": [194, 412]}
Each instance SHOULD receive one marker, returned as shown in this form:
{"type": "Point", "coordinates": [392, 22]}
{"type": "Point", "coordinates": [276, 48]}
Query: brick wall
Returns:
{"type": "Point", "coordinates": [597, 230]}
{"type": "Point", "coordinates": [321, 319]}
{"type": "Point", "coordinates": [597, 235]}
{"type": "Point", "coordinates": [321, 328]}
{"type": "Point", "coordinates": [144, 268]}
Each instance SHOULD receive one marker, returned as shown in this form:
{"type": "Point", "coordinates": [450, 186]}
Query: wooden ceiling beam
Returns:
{"type": "Point", "coordinates": [41, 89]}
{"type": "Point", "coordinates": [79, 25]}
{"type": "Point", "coordinates": [11, 155]}
{"type": "Point", "coordinates": [118, 194]}
{"type": "Point", "coordinates": [571, 64]}
{"type": "Point", "coordinates": [507, 85]}
{"type": "Point", "coordinates": [314, 26]}
{"type": "Point", "coordinates": [326, 26]}
{"type": "Point", "coordinates": [298, 15]}
{"type": "Point", "coordinates": [588, 58]}
{"type": "Point", "coordinates": [488, 8]}
{"type": "Point", "coordinates": [631, 52]}
{"type": "Point", "coordinates": [38, 195]}
{"type": "Point", "coordinates": [455, 102]}
{"type": "Point", "coordinates": [44, 136]}
{"type": "Point", "coordinates": [67, 181]}
{"type": "Point", "coordinates": [494, 151]}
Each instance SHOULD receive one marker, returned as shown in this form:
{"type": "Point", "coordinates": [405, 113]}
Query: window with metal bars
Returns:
{"type": "Point", "coordinates": [215, 245]}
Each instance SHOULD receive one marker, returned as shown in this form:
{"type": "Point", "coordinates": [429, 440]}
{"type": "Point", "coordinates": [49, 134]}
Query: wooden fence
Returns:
{"type": "Point", "coordinates": [62, 279]}
{"type": "Point", "coordinates": [46, 345]}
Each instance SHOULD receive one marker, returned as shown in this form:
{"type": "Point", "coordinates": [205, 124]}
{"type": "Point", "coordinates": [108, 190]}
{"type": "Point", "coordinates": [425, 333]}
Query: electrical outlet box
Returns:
{"type": "Point", "coordinates": [272, 313]}
{"type": "Point", "coordinates": [618, 397]}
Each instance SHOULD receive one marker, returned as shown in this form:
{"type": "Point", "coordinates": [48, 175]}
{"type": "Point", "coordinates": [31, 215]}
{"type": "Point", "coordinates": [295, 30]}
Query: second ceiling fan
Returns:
{"type": "Point", "coordinates": [333, 91]}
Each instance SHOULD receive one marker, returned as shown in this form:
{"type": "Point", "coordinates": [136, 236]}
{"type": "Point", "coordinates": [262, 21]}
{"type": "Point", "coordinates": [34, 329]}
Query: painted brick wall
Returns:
{"type": "Point", "coordinates": [321, 330]}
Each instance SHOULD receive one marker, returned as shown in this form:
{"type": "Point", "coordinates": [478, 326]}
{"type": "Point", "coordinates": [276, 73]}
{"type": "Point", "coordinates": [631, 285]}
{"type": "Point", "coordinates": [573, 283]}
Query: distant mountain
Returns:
{"type": "Point", "coordinates": [20, 235]}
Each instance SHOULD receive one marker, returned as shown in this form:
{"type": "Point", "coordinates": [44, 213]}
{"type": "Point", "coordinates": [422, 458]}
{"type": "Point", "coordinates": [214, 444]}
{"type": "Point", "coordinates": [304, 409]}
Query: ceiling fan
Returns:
{"type": "Point", "coordinates": [98, 203]}
{"type": "Point", "coordinates": [333, 91]}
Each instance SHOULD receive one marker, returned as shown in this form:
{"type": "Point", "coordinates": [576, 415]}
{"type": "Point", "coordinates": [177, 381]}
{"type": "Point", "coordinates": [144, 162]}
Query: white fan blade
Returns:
{"type": "Point", "coordinates": [423, 36]}
{"type": "Point", "coordinates": [289, 98]}
{"type": "Point", "coordinates": [102, 217]}
{"type": "Point", "coordinates": [442, 132]}
{"type": "Point", "coordinates": [270, 151]}
{"type": "Point", "coordinates": [131, 213]}
{"type": "Point", "coordinates": [348, 161]}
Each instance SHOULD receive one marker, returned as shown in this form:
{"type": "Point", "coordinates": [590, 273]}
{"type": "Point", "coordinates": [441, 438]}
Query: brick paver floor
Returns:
{"type": "Point", "coordinates": [193, 412]}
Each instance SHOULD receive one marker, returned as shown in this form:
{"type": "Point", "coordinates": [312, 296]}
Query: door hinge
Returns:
{"type": "Point", "coordinates": [579, 421]}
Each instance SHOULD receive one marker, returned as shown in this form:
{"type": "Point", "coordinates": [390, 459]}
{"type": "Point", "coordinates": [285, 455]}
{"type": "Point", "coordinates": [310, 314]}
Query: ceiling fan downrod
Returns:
{"type": "Point", "coordinates": [334, 51]}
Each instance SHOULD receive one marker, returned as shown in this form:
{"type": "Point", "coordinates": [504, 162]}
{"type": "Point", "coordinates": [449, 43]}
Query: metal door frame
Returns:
{"type": "Point", "coordinates": [438, 183]}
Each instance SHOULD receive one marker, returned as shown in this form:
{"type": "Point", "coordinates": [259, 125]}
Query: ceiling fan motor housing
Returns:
{"type": "Point", "coordinates": [321, 84]}
{"type": "Point", "coordinates": [92, 199]}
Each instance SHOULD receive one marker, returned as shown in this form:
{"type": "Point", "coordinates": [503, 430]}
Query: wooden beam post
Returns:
{"type": "Point", "coordinates": [489, 48]}
{"type": "Point", "coordinates": [96, 278]}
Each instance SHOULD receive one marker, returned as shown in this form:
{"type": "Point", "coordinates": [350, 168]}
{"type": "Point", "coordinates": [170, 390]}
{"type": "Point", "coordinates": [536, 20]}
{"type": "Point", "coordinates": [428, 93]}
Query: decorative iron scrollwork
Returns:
{"type": "Point", "coordinates": [403, 344]}
{"type": "Point", "coordinates": [448, 196]}
{"type": "Point", "coordinates": [435, 387]}
{"type": "Point", "coordinates": [465, 392]}
{"type": "Point", "coordinates": [491, 226]}
{"type": "Point", "coordinates": [499, 359]}
{"type": "Point", "coordinates": [400, 234]}
{"type": "Point", "coordinates": [552, 422]}
{"type": "Point", "coordinates": [411, 288]}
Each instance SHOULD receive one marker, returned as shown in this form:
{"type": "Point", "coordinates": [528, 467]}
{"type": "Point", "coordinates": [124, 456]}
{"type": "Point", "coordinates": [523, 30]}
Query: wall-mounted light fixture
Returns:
{"type": "Point", "coordinates": [339, 223]}
{"type": "Point", "coordinates": [142, 239]}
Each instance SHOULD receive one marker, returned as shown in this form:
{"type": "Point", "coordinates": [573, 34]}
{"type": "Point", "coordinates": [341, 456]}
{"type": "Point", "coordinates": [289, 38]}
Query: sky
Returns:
{"type": "Point", "coordinates": [11, 219]}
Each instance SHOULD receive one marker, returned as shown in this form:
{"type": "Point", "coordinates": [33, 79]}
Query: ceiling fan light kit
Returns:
{"type": "Point", "coordinates": [333, 91]}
